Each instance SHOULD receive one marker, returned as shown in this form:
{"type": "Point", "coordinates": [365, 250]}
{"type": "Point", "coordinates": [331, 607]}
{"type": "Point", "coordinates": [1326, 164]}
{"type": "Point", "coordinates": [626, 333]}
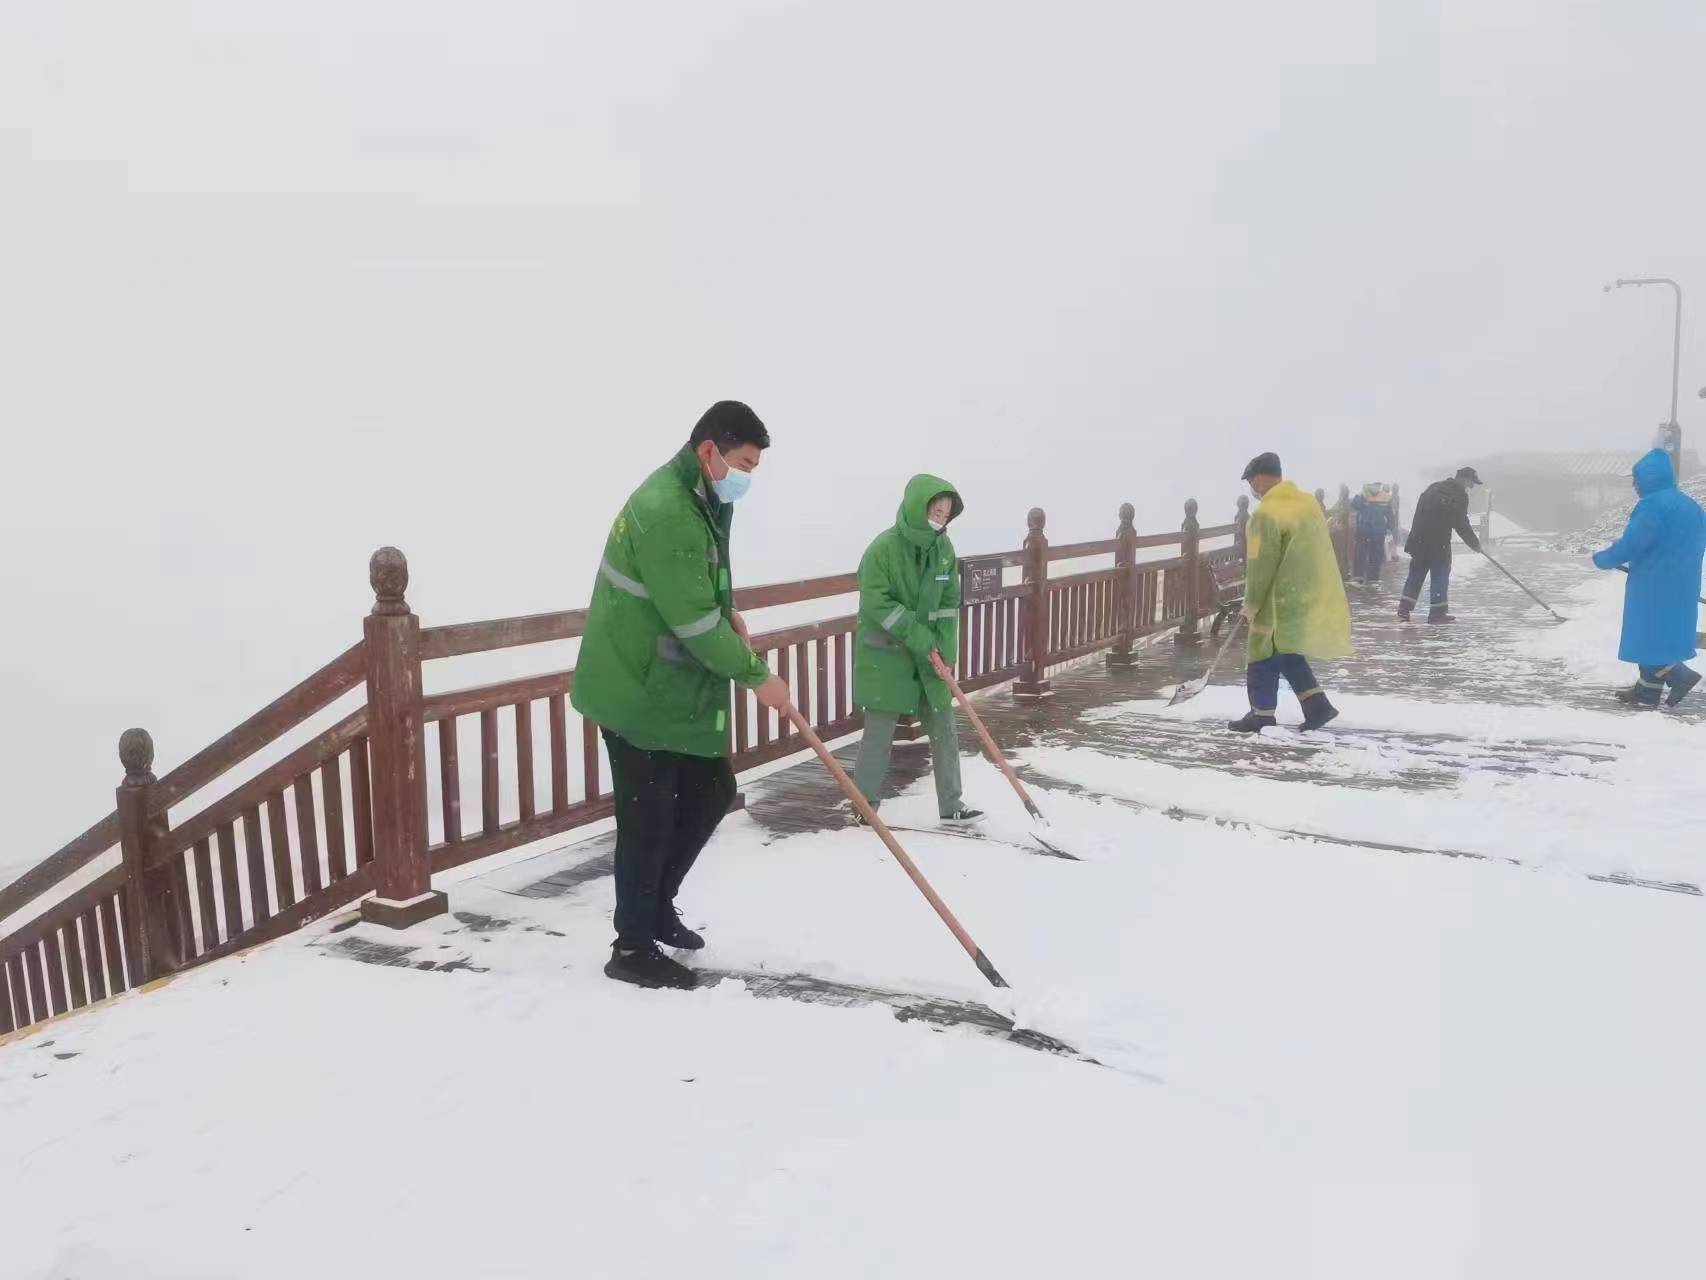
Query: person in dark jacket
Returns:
{"type": "Point", "coordinates": [1442, 510]}
{"type": "Point", "coordinates": [1663, 546]}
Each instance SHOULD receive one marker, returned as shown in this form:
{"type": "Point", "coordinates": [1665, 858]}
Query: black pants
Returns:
{"type": "Point", "coordinates": [667, 807]}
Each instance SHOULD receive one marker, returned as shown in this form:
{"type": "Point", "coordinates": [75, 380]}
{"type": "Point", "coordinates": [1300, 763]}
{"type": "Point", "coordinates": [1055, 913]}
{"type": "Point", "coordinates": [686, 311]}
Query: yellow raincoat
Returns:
{"type": "Point", "coordinates": [1294, 580]}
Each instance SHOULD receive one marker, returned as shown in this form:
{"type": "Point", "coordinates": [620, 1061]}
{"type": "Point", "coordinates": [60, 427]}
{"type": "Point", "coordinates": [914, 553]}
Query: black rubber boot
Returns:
{"type": "Point", "coordinates": [1440, 615]}
{"type": "Point", "coordinates": [1317, 711]}
{"type": "Point", "coordinates": [1253, 722]}
{"type": "Point", "coordinates": [1403, 611]}
{"type": "Point", "coordinates": [1681, 681]}
{"type": "Point", "coordinates": [1639, 695]}
{"type": "Point", "coordinates": [672, 933]}
{"type": "Point", "coordinates": [649, 967]}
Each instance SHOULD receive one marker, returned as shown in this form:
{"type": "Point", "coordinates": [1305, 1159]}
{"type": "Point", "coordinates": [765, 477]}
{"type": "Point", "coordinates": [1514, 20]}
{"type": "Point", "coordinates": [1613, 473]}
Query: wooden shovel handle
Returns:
{"type": "Point", "coordinates": [989, 747]}
{"type": "Point", "coordinates": [907, 865]}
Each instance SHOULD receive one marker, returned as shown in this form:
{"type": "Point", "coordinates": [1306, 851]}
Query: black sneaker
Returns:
{"type": "Point", "coordinates": [648, 967]}
{"type": "Point", "coordinates": [672, 933]}
{"type": "Point", "coordinates": [1444, 617]}
{"type": "Point", "coordinates": [1252, 723]}
{"type": "Point", "coordinates": [961, 816]}
{"type": "Point", "coordinates": [1403, 613]}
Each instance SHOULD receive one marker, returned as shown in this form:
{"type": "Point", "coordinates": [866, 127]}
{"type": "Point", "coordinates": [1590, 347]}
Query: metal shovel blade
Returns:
{"type": "Point", "coordinates": [1187, 691]}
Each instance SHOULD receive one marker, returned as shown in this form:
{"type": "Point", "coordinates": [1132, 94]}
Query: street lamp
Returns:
{"type": "Point", "coordinates": [1673, 431]}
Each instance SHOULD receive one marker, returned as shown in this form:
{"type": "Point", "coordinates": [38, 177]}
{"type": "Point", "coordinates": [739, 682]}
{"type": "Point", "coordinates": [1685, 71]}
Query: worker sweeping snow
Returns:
{"type": "Point", "coordinates": [1294, 599]}
{"type": "Point", "coordinates": [1662, 546]}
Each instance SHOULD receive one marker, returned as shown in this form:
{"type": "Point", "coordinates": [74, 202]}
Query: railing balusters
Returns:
{"type": "Point", "coordinates": [283, 864]}
{"type": "Point", "coordinates": [524, 759]}
{"type": "Point", "coordinates": [95, 970]}
{"type": "Point", "coordinates": [332, 803]}
{"type": "Point", "coordinates": [489, 770]}
{"type": "Point", "coordinates": [821, 653]}
{"type": "Point", "coordinates": [802, 671]}
{"type": "Point", "coordinates": [307, 836]}
{"type": "Point", "coordinates": [73, 964]}
{"type": "Point", "coordinates": [559, 754]}
{"type": "Point", "coordinates": [204, 901]}
{"type": "Point", "coordinates": [361, 800]}
{"type": "Point", "coordinates": [178, 869]}
{"type": "Point", "coordinates": [7, 1021]}
{"type": "Point", "coordinates": [55, 972]}
{"type": "Point", "coordinates": [449, 779]}
{"type": "Point", "coordinates": [118, 960]}
{"type": "Point", "coordinates": [843, 674]}
{"type": "Point", "coordinates": [590, 785]}
{"type": "Point", "coordinates": [230, 883]}
{"type": "Point", "coordinates": [260, 905]}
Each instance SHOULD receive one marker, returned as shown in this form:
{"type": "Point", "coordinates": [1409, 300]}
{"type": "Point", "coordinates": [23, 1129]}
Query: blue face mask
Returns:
{"type": "Point", "coordinates": [732, 485]}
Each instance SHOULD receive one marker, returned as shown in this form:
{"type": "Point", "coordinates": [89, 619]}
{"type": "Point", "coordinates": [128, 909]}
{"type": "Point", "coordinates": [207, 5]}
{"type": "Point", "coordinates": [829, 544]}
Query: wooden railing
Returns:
{"type": "Point", "coordinates": [357, 811]}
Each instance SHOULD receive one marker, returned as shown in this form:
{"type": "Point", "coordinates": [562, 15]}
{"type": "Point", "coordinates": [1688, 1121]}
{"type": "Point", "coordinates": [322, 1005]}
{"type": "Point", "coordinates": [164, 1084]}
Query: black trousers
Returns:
{"type": "Point", "coordinates": [667, 806]}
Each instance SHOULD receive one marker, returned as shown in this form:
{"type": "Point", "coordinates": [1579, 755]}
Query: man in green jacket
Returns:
{"type": "Point", "coordinates": [662, 644]}
{"type": "Point", "coordinates": [909, 608]}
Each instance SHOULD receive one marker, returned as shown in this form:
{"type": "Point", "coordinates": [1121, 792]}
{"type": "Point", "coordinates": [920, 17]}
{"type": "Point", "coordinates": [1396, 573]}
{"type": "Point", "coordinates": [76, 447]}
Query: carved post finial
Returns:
{"type": "Point", "coordinates": [136, 754]}
{"type": "Point", "coordinates": [1244, 504]}
{"type": "Point", "coordinates": [388, 573]}
{"type": "Point", "coordinates": [1191, 523]}
{"type": "Point", "coordinates": [1128, 513]}
{"type": "Point", "coordinates": [1034, 520]}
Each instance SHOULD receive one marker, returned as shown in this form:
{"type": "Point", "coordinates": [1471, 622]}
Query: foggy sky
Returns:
{"type": "Point", "coordinates": [281, 282]}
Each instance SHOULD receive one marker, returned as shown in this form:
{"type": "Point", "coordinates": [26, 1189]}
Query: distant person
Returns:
{"type": "Point", "coordinates": [909, 609]}
{"type": "Point", "coordinates": [1371, 524]}
{"type": "Point", "coordinates": [662, 644]}
{"type": "Point", "coordinates": [1294, 599]}
{"type": "Point", "coordinates": [1442, 510]}
{"type": "Point", "coordinates": [1662, 546]}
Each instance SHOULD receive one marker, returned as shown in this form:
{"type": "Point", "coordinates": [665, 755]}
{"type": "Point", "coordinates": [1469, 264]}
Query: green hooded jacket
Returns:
{"type": "Point", "coordinates": [909, 604]}
{"type": "Point", "coordinates": [659, 652]}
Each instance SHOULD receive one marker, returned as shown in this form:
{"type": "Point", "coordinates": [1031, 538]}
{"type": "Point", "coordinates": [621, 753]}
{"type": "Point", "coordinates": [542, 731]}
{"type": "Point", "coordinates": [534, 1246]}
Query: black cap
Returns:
{"type": "Point", "coordinates": [1263, 464]}
{"type": "Point", "coordinates": [1468, 476]}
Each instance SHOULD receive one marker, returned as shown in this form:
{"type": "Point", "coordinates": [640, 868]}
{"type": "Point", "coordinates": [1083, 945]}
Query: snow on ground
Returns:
{"type": "Point", "coordinates": [1318, 1059]}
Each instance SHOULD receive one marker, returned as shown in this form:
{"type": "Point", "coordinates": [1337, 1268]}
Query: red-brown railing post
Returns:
{"type": "Point", "coordinates": [151, 909]}
{"type": "Point", "coordinates": [1190, 549]}
{"type": "Point", "coordinates": [1034, 684]}
{"type": "Point", "coordinates": [404, 893]}
{"type": "Point", "coordinates": [1125, 589]}
{"type": "Point", "coordinates": [1241, 540]}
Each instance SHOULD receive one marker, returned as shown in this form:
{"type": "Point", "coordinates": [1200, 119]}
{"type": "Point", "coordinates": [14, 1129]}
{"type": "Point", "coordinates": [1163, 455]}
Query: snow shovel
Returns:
{"type": "Point", "coordinates": [997, 759]}
{"type": "Point", "coordinates": [1623, 568]}
{"type": "Point", "coordinates": [900, 855]}
{"type": "Point", "coordinates": [1190, 688]}
{"type": "Point", "coordinates": [1525, 591]}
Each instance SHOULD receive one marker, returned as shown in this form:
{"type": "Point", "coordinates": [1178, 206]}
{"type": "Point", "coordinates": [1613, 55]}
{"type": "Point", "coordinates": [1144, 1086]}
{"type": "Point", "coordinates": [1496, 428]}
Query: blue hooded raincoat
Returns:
{"type": "Point", "coordinates": [1662, 546]}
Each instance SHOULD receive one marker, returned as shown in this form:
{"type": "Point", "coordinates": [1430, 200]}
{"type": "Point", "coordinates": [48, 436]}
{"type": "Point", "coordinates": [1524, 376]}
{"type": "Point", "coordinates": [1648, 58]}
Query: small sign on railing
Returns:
{"type": "Point", "coordinates": [980, 579]}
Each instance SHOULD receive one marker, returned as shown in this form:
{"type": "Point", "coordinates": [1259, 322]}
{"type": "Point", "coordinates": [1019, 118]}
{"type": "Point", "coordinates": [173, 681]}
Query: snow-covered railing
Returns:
{"type": "Point", "coordinates": [356, 810]}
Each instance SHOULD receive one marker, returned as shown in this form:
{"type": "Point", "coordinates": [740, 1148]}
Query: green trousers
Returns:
{"type": "Point", "coordinates": [875, 746]}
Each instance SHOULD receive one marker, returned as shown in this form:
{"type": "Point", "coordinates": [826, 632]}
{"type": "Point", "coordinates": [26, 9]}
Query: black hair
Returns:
{"type": "Point", "coordinates": [728, 424]}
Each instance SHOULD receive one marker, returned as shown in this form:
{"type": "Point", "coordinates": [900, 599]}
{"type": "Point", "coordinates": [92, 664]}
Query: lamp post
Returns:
{"type": "Point", "coordinates": [1673, 431]}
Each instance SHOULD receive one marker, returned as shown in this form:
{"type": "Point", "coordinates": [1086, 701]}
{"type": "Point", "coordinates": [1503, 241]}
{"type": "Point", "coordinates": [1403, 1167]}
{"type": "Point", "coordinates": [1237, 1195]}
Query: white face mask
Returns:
{"type": "Point", "coordinates": [937, 525]}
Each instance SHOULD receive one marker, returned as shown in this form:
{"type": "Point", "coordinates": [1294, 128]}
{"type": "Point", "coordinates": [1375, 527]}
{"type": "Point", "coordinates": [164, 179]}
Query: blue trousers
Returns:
{"type": "Point", "coordinates": [1262, 680]}
{"type": "Point", "coordinates": [1370, 555]}
{"type": "Point", "coordinates": [1435, 565]}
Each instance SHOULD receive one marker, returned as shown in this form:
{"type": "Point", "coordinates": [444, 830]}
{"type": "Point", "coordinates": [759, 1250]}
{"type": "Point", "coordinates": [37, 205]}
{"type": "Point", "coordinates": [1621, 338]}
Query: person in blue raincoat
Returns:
{"type": "Point", "coordinates": [1662, 546]}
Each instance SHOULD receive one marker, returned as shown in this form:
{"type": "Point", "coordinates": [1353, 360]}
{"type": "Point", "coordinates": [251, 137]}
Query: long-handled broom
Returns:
{"type": "Point", "coordinates": [1190, 688]}
{"type": "Point", "coordinates": [1537, 600]}
{"type": "Point", "coordinates": [907, 865]}
{"type": "Point", "coordinates": [999, 760]}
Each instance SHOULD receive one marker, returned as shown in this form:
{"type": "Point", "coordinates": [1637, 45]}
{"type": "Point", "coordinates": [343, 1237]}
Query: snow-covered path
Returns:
{"type": "Point", "coordinates": [1335, 1057]}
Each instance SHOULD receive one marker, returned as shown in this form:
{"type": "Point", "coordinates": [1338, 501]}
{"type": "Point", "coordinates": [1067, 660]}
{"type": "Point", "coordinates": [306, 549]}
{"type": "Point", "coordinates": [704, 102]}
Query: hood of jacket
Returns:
{"type": "Point", "coordinates": [912, 519]}
{"type": "Point", "coordinates": [1653, 473]}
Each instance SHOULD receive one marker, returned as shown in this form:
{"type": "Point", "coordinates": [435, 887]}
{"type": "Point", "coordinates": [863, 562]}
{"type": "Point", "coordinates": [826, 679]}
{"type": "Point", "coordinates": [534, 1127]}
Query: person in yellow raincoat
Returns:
{"type": "Point", "coordinates": [1294, 599]}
